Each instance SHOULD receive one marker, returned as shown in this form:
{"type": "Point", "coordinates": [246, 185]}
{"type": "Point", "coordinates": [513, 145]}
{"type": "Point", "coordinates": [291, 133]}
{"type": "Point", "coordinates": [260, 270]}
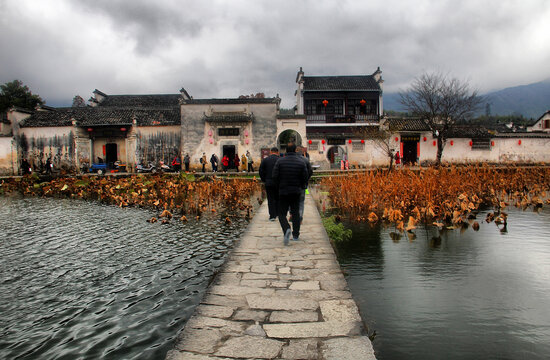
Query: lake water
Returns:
{"type": "Point", "coordinates": [82, 280]}
{"type": "Point", "coordinates": [453, 294]}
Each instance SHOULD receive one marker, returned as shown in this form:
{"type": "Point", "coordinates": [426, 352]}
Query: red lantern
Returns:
{"type": "Point", "coordinates": [362, 102]}
{"type": "Point", "coordinates": [425, 138]}
{"type": "Point", "coordinates": [519, 142]}
{"type": "Point", "coordinates": [452, 143]}
{"type": "Point", "coordinates": [90, 129]}
{"type": "Point", "coordinates": [325, 102]}
{"type": "Point", "coordinates": [122, 129]}
{"type": "Point", "coordinates": [323, 141]}
{"type": "Point", "coordinates": [310, 142]}
{"type": "Point", "coordinates": [434, 143]}
{"type": "Point", "coordinates": [362, 141]}
{"type": "Point", "coordinates": [396, 138]}
{"type": "Point", "coordinates": [471, 143]}
{"type": "Point", "coordinates": [349, 141]}
{"type": "Point", "coordinates": [492, 143]}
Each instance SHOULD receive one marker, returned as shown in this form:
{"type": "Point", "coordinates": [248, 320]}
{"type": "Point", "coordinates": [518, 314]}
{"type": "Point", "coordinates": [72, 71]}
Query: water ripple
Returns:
{"type": "Point", "coordinates": [87, 281]}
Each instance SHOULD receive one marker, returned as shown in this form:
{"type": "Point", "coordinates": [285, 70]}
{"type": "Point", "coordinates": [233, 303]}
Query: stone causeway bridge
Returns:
{"type": "Point", "coordinates": [271, 301]}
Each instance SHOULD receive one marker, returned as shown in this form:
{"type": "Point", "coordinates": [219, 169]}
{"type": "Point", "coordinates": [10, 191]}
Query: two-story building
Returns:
{"type": "Point", "coordinates": [338, 111]}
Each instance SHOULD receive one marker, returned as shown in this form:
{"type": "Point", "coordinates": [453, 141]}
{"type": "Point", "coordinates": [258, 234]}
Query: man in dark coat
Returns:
{"type": "Point", "coordinates": [266, 174]}
{"type": "Point", "coordinates": [302, 154]}
{"type": "Point", "coordinates": [291, 175]}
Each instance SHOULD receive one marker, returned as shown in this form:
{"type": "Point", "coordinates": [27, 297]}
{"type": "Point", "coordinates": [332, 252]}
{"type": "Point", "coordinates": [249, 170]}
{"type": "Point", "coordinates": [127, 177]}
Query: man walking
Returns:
{"type": "Point", "coordinates": [266, 174]}
{"type": "Point", "coordinates": [290, 174]}
{"type": "Point", "coordinates": [303, 152]}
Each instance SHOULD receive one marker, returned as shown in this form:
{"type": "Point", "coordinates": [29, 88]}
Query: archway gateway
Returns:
{"type": "Point", "coordinates": [335, 155]}
{"type": "Point", "coordinates": [286, 137]}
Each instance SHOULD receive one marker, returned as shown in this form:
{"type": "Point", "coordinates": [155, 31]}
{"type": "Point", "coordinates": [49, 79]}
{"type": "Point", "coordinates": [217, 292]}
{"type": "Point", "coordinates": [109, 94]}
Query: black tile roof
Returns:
{"type": "Point", "coordinates": [407, 124]}
{"type": "Point", "coordinates": [349, 83]}
{"type": "Point", "coordinates": [274, 100]}
{"type": "Point", "coordinates": [137, 101]}
{"type": "Point", "coordinates": [470, 131]}
{"type": "Point", "coordinates": [103, 117]}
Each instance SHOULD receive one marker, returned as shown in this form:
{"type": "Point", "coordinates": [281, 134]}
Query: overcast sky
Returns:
{"type": "Point", "coordinates": [61, 48]}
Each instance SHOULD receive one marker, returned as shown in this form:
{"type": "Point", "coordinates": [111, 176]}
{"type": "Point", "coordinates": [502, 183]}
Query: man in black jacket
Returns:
{"type": "Point", "coordinates": [291, 175]}
{"type": "Point", "coordinates": [266, 174]}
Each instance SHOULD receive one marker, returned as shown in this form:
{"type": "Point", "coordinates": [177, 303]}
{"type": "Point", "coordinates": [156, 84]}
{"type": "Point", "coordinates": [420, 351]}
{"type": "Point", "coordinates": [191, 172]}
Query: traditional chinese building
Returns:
{"type": "Point", "coordinates": [338, 110]}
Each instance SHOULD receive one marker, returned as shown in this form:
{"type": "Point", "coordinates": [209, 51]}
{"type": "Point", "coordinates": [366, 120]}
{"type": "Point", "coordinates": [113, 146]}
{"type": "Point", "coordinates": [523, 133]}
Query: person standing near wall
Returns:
{"type": "Point", "coordinates": [237, 161]}
{"type": "Point", "coordinates": [250, 161]}
{"type": "Point", "coordinates": [176, 163]}
{"type": "Point", "coordinates": [214, 162]}
{"type": "Point", "coordinates": [203, 162]}
{"type": "Point", "coordinates": [266, 174]}
{"type": "Point", "coordinates": [225, 163]}
{"type": "Point", "coordinates": [186, 161]}
{"type": "Point", "coordinates": [49, 166]}
{"type": "Point", "coordinates": [290, 174]}
{"type": "Point", "coordinates": [244, 163]}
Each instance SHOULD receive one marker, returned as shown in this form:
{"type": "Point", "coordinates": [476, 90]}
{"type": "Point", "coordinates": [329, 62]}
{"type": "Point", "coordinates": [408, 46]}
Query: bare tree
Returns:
{"type": "Point", "coordinates": [440, 102]}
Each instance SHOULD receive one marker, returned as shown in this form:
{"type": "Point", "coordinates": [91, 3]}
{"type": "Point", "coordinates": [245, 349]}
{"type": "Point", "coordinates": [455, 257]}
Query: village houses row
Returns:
{"type": "Point", "coordinates": [332, 119]}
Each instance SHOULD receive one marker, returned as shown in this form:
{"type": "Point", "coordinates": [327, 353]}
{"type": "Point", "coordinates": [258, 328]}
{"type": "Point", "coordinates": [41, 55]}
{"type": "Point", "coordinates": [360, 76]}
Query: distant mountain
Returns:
{"type": "Point", "coordinates": [530, 100]}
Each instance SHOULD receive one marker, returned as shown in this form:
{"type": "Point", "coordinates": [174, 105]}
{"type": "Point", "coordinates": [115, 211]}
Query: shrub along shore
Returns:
{"type": "Point", "coordinates": [447, 196]}
{"type": "Point", "coordinates": [184, 194]}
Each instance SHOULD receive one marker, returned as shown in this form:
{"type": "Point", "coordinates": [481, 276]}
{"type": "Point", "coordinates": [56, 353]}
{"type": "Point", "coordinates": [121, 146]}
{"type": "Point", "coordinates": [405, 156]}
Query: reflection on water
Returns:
{"type": "Point", "coordinates": [453, 294]}
{"type": "Point", "coordinates": [82, 280]}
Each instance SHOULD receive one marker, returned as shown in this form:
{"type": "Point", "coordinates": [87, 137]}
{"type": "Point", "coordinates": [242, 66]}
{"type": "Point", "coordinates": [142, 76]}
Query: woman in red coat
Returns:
{"type": "Point", "coordinates": [225, 162]}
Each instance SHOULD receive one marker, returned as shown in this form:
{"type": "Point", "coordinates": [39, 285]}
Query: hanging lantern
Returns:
{"type": "Point", "coordinates": [209, 132]}
{"type": "Point", "coordinates": [519, 142]}
{"type": "Point", "coordinates": [362, 102]}
{"type": "Point", "coordinates": [325, 102]}
{"type": "Point", "coordinates": [492, 143]}
{"type": "Point", "coordinates": [452, 143]}
{"type": "Point", "coordinates": [425, 138]}
{"type": "Point", "coordinates": [362, 141]}
{"type": "Point", "coordinates": [90, 129]}
{"type": "Point", "coordinates": [246, 133]}
{"type": "Point", "coordinates": [471, 143]}
{"type": "Point", "coordinates": [396, 139]}
{"type": "Point", "coordinates": [434, 143]}
{"type": "Point", "coordinates": [349, 141]}
{"type": "Point", "coordinates": [310, 142]}
{"type": "Point", "coordinates": [210, 140]}
{"type": "Point", "coordinates": [246, 141]}
{"type": "Point", "coordinates": [323, 141]}
{"type": "Point", "coordinates": [123, 129]}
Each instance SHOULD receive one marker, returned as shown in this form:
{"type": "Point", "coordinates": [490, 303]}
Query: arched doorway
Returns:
{"type": "Point", "coordinates": [286, 137]}
{"type": "Point", "coordinates": [335, 154]}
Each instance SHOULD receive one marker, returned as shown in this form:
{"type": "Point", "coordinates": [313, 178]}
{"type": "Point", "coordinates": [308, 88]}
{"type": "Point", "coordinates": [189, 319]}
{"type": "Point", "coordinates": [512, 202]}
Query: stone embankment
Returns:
{"type": "Point", "coordinates": [272, 301]}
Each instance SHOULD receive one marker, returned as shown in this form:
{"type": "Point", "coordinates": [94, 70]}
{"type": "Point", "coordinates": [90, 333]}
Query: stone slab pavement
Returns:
{"type": "Point", "coordinates": [272, 301]}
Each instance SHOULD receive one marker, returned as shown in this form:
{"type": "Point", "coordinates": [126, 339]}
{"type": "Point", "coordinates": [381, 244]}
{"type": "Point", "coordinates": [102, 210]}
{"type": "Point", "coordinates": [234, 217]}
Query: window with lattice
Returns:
{"type": "Point", "coordinates": [314, 146]}
{"type": "Point", "coordinates": [357, 146]}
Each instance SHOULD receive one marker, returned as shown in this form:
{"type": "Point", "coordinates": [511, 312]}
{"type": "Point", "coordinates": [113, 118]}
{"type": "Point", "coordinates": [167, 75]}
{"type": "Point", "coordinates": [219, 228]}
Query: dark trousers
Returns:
{"type": "Point", "coordinates": [203, 167]}
{"type": "Point", "coordinates": [186, 166]}
{"type": "Point", "coordinates": [250, 167]}
{"type": "Point", "coordinates": [292, 201]}
{"type": "Point", "coordinates": [272, 193]}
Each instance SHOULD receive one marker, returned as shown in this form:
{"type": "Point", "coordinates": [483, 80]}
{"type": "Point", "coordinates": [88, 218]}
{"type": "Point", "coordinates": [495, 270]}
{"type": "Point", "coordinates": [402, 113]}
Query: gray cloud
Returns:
{"type": "Point", "coordinates": [224, 49]}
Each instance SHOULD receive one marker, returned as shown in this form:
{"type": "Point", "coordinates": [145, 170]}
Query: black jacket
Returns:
{"type": "Point", "coordinates": [290, 173]}
{"type": "Point", "coordinates": [266, 169]}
